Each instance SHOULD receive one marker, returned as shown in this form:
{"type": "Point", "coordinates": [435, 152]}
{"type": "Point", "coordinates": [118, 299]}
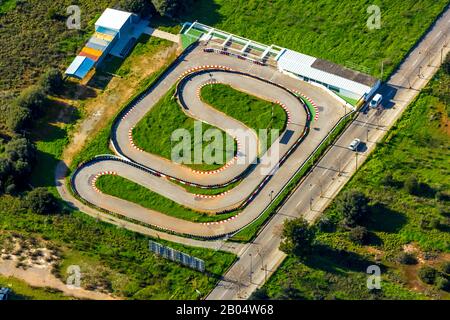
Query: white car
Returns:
{"type": "Point", "coordinates": [354, 145]}
{"type": "Point", "coordinates": [376, 101]}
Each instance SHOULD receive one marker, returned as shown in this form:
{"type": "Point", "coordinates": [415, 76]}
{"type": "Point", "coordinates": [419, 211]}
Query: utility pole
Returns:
{"type": "Point", "coordinates": [251, 268]}
{"type": "Point", "coordinates": [321, 188]}
{"type": "Point", "coordinates": [263, 266]}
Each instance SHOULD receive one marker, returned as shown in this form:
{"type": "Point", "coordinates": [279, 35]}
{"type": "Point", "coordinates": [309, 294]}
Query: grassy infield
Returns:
{"type": "Point", "coordinates": [315, 24]}
{"type": "Point", "coordinates": [417, 145]}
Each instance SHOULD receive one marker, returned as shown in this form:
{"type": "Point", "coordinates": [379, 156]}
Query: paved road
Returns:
{"type": "Point", "coordinates": [330, 111]}
{"type": "Point", "coordinates": [262, 257]}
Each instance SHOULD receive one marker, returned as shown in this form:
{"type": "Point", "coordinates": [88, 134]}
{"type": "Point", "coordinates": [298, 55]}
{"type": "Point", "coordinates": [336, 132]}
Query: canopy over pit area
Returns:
{"type": "Point", "coordinates": [229, 42]}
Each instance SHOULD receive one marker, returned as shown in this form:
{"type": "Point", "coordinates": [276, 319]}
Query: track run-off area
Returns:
{"type": "Point", "coordinates": [262, 175]}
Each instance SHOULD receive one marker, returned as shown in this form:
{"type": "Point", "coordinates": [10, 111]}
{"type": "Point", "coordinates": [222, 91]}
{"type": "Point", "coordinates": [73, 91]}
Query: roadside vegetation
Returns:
{"type": "Point", "coordinates": [128, 190]}
{"type": "Point", "coordinates": [393, 213]}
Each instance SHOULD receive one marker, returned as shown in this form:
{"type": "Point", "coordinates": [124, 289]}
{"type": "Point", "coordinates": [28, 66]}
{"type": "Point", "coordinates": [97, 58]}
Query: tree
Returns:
{"type": "Point", "coordinates": [33, 98]}
{"type": "Point", "coordinates": [427, 274]}
{"type": "Point", "coordinates": [171, 8]}
{"type": "Point", "coordinates": [136, 6]}
{"type": "Point", "coordinates": [359, 235]}
{"type": "Point", "coordinates": [297, 237]}
{"type": "Point", "coordinates": [17, 117]}
{"type": "Point", "coordinates": [52, 81]}
{"type": "Point", "coordinates": [353, 205]}
{"type": "Point", "coordinates": [260, 294]}
{"type": "Point", "coordinates": [41, 201]}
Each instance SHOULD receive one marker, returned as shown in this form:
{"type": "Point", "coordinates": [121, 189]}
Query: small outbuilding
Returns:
{"type": "Point", "coordinates": [113, 28]}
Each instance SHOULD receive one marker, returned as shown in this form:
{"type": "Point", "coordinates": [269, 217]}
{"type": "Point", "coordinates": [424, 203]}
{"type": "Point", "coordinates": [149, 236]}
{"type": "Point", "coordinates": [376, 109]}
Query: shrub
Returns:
{"type": "Point", "coordinates": [445, 267]}
{"type": "Point", "coordinates": [435, 223]}
{"type": "Point", "coordinates": [412, 185]}
{"type": "Point", "coordinates": [41, 201]}
{"type": "Point", "coordinates": [407, 258]}
{"type": "Point", "coordinates": [353, 205]}
{"type": "Point", "coordinates": [388, 180]}
{"type": "Point", "coordinates": [359, 235]}
{"type": "Point", "coordinates": [427, 275]}
{"type": "Point", "coordinates": [442, 283]}
{"type": "Point", "coordinates": [297, 237]}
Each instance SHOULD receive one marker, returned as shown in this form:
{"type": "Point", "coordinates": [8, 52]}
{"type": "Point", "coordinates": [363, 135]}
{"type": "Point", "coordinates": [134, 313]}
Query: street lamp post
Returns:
{"type": "Point", "coordinates": [310, 203]}
{"type": "Point", "coordinates": [271, 195]}
{"type": "Point", "coordinates": [368, 130]}
{"type": "Point", "coordinates": [251, 268]}
{"type": "Point", "coordinates": [356, 160]}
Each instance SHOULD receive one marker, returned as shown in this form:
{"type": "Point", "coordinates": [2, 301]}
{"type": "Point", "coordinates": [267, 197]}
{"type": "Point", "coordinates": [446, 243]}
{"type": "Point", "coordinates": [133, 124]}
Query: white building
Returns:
{"type": "Point", "coordinates": [342, 80]}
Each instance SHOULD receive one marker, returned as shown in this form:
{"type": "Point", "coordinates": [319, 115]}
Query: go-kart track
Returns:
{"type": "Point", "coordinates": [196, 68]}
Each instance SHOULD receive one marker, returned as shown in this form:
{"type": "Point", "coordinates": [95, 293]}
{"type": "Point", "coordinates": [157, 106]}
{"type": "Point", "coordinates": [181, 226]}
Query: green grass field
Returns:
{"type": "Point", "coordinates": [416, 146]}
{"type": "Point", "coordinates": [254, 112]}
{"type": "Point", "coordinates": [125, 189]}
{"type": "Point", "coordinates": [334, 31]}
{"type": "Point", "coordinates": [153, 132]}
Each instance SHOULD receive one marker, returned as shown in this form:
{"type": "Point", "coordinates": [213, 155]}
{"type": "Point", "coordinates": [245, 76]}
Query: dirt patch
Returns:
{"type": "Point", "coordinates": [33, 262]}
{"type": "Point", "coordinates": [101, 105]}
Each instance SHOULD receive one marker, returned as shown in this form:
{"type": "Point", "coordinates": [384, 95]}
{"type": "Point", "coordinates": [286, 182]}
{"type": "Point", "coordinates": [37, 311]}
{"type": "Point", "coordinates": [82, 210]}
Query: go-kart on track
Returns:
{"type": "Point", "coordinates": [190, 72]}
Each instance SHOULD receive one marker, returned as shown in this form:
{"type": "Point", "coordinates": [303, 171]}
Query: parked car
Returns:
{"type": "Point", "coordinates": [376, 101]}
{"type": "Point", "coordinates": [354, 145]}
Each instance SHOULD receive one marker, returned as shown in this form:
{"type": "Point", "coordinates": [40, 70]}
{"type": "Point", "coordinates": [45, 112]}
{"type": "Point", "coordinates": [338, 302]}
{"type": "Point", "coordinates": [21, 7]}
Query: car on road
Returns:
{"type": "Point", "coordinates": [354, 145]}
{"type": "Point", "coordinates": [376, 101]}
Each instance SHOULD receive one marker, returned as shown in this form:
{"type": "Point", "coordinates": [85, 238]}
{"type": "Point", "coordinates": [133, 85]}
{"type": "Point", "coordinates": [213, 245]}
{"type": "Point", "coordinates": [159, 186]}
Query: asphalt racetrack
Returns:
{"type": "Point", "coordinates": [259, 174]}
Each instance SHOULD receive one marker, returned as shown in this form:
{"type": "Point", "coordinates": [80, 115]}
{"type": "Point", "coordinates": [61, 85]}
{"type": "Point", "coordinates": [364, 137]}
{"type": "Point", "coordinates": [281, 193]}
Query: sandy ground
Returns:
{"type": "Point", "coordinates": [38, 276]}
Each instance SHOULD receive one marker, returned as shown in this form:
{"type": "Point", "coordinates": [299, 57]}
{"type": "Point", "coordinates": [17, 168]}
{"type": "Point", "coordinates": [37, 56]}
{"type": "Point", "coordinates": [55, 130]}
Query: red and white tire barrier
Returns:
{"type": "Point", "coordinates": [201, 68]}
{"type": "Point", "coordinates": [130, 139]}
{"type": "Point", "coordinates": [221, 221]}
{"type": "Point", "coordinates": [316, 108]}
{"type": "Point", "coordinates": [282, 105]}
{"type": "Point", "coordinates": [98, 175]}
{"type": "Point", "coordinates": [207, 196]}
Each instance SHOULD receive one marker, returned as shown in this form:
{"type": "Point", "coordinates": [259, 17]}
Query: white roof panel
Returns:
{"type": "Point", "coordinates": [113, 19]}
{"type": "Point", "coordinates": [300, 64]}
{"type": "Point", "coordinates": [76, 63]}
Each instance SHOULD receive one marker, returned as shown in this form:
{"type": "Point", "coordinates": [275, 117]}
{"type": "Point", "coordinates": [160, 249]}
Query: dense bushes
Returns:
{"type": "Point", "coordinates": [15, 164]}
